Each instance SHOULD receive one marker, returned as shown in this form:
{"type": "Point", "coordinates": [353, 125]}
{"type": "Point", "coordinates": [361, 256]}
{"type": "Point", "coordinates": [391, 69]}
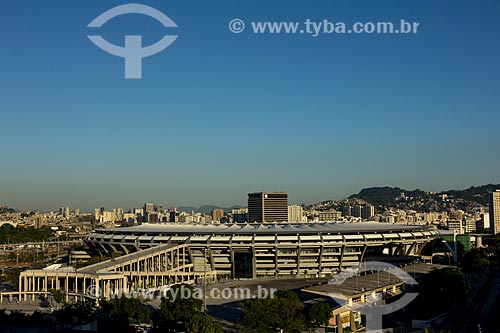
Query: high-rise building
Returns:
{"type": "Point", "coordinates": [268, 207]}
{"type": "Point", "coordinates": [217, 214]}
{"type": "Point", "coordinates": [329, 215]}
{"type": "Point", "coordinates": [153, 217]}
{"type": "Point", "coordinates": [495, 212]}
{"type": "Point", "coordinates": [240, 215]}
{"type": "Point", "coordinates": [38, 222]}
{"type": "Point", "coordinates": [470, 225]}
{"type": "Point", "coordinates": [367, 212]}
{"type": "Point", "coordinates": [456, 226]}
{"type": "Point", "coordinates": [174, 215]}
{"type": "Point", "coordinates": [98, 213]}
{"type": "Point", "coordinates": [295, 214]}
{"type": "Point", "coordinates": [347, 210]}
{"type": "Point", "coordinates": [151, 212]}
{"type": "Point", "coordinates": [356, 210]}
{"type": "Point", "coordinates": [148, 208]}
{"type": "Point", "coordinates": [484, 222]}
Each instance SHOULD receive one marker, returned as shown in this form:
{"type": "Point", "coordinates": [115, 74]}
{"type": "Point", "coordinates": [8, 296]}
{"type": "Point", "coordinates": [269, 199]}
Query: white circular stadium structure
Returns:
{"type": "Point", "coordinates": [259, 250]}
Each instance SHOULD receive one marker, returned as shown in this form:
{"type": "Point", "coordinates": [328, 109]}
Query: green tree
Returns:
{"type": "Point", "coordinates": [199, 323]}
{"type": "Point", "coordinates": [10, 234]}
{"type": "Point", "coordinates": [439, 291]}
{"type": "Point", "coordinates": [58, 296]}
{"type": "Point", "coordinates": [260, 316]}
{"type": "Point", "coordinates": [319, 315]}
{"type": "Point", "coordinates": [177, 308]}
{"type": "Point", "coordinates": [12, 277]}
{"type": "Point", "coordinates": [132, 308]}
{"type": "Point", "coordinates": [282, 312]}
{"type": "Point", "coordinates": [475, 261]}
{"type": "Point", "coordinates": [122, 312]}
{"type": "Point", "coordinates": [83, 311]}
{"type": "Point", "coordinates": [290, 311]}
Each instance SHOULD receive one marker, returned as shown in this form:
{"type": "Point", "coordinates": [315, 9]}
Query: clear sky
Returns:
{"type": "Point", "coordinates": [218, 114]}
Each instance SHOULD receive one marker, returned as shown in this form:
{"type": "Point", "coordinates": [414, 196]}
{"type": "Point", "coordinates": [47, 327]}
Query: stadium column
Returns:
{"type": "Point", "coordinates": [66, 287]}
{"type": "Point", "coordinates": [254, 259]}
{"type": "Point", "coordinates": [84, 290]}
{"type": "Point", "coordinates": [25, 287]}
{"type": "Point", "coordinates": [320, 258]}
{"type": "Point", "coordinates": [341, 256]}
{"type": "Point", "coordinates": [233, 266]}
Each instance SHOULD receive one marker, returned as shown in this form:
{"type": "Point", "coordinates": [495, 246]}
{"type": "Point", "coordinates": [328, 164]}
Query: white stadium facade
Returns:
{"type": "Point", "coordinates": [156, 256]}
{"type": "Point", "coordinates": [258, 250]}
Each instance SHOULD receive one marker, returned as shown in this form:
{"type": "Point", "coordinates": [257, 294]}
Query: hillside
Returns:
{"type": "Point", "coordinates": [384, 197]}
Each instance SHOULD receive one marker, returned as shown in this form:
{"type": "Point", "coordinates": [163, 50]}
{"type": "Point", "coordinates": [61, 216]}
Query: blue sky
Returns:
{"type": "Point", "coordinates": [218, 114]}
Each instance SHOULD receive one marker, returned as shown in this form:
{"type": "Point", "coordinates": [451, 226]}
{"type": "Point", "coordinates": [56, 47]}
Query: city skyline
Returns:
{"type": "Point", "coordinates": [178, 204]}
{"type": "Point", "coordinates": [220, 114]}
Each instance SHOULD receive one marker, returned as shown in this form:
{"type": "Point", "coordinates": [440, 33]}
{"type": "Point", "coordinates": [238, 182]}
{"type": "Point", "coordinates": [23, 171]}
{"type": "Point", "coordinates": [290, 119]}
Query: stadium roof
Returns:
{"type": "Point", "coordinates": [257, 228]}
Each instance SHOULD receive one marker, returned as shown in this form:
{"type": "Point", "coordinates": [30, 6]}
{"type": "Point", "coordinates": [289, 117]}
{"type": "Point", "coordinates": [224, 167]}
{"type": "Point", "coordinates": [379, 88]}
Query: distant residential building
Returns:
{"type": "Point", "coordinates": [356, 210]}
{"type": "Point", "coordinates": [38, 222]}
{"type": "Point", "coordinates": [151, 212]}
{"type": "Point", "coordinates": [367, 211]}
{"type": "Point", "coordinates": [129, 218]}
{"type": "Point", "coordinates": [470, 225]}
{"type": "Point", "coordinates": [456, 226]}
{"type": "Point", "coordinates": [495, 212]}
{"type": "Point", "coordinates": [217, 214]}
{"type": "Point", "coordinates": [153, 217]}
{"type": "Point", "coordinates": [295, 213]}
{"type": "Point", "coordinates": [268, 207]}
{"type": "Point", "coordinates": [76, 212]}
{"type": "Point", "coordinates": [329, 215]}
{"type": "Point", "coordinates": [174, 216]}
{"type": "Point", "coordinates": [390, 219]}
{"type": "Point", "coordinates": [148, 208]}
{"type": "Point", "coordinates": [139, 213]}
{"type": "Point", "coordinates": [457, 215]}
{"type": "Point", "coordinates": [97, 213]}
{"type": "Point", "coordinates": [107, 217]}
{"type": "Point", "coordinates": [240, 215]}
{"type": "Point", "coordinates": [483, 224]}
{"type": "Point", "coordinates": [347, 210]}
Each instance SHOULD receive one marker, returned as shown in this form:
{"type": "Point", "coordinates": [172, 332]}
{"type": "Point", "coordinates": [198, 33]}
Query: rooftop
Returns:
{"type": "Point", "coordinates": [257, 228]}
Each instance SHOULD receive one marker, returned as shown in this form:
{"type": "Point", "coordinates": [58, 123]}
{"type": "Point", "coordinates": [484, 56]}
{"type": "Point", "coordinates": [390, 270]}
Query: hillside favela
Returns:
{"type": "Point", "coordinates": [428, 261]}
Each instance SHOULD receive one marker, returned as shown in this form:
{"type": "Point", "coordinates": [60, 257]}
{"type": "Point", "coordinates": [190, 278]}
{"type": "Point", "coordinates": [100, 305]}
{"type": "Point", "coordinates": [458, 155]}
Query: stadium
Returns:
{"type": "Point", "coordinates": [156, 256]}
{"type": "Point", "coordinates": [259, 250]}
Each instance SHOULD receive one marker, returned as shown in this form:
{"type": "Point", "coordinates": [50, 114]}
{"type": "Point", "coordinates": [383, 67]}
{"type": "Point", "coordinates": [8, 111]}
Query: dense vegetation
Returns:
{"type": "Point", "coordinates": [477, 194]}
{"type": "Point", "coordinates": [384, 197]}
{"type": "Point", "coordinates": [439, 292]}
{"type": "Point", "coordinates": [10, 234]}
{"type": "Point", "coordinates": [284, 313]}
{"type": "Point", "coordinates": [5, 210]}
{"type": "Point", "coordinates": [183, 314]}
